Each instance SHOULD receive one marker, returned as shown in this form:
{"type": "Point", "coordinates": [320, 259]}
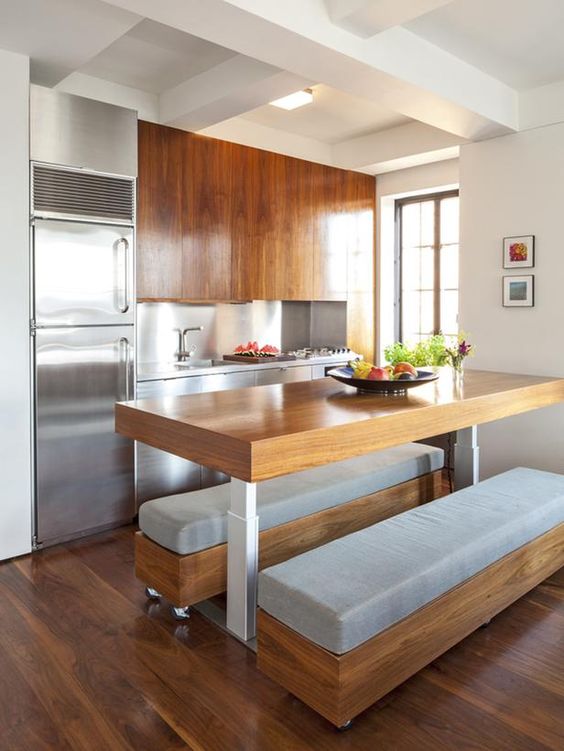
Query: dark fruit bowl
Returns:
{"type": "Point", "coordinates": [345, 375]}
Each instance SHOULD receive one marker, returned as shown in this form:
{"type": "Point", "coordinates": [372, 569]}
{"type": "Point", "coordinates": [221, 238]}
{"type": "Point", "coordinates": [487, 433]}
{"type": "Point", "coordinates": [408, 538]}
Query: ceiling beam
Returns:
{"type": "Point", "coordinates": [397, 143]}
{"type": "Point", "coordinates": [396, 68]}
{"type": "Point", "coordinates": [541, 106]}
{"type": "Point", "coordinates": [229, 89]}
{"type": "Point", "coordinates": [368, 17]}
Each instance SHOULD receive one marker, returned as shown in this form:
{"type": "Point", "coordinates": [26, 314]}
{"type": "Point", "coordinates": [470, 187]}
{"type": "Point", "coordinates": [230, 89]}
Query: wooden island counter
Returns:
{"type": "Point", "coordinates": [262, 432]}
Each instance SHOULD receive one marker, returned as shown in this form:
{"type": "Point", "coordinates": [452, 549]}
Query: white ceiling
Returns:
{"type": "Point", "coordinates": [60, 35]}
{"type": "Point", "coordinates": [393, 79]}
{"type": "Point", "coordinates": [154, 57]}
{"type": "Point", "coordinates": [520, 42]}
{"type": "Point", "coordinates": [333, 116]}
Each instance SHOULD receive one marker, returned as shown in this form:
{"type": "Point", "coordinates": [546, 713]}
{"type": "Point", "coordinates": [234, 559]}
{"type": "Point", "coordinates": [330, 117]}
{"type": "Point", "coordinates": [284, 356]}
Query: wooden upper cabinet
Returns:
{"type": "Point", "coordinates": [294, 262]}
{"type": "Point", "coordinates": [159, 212]}
{"type": "Point", "coordinates": [220, 221]}
{"type": "Point", "coordinates": [272, 227]}
{"type": "Point", "coordinates": [251, 224]}
{"type": "Point", "coordinates": [206, 218]}
{"type": "Point", "coordinates": [330, 242]}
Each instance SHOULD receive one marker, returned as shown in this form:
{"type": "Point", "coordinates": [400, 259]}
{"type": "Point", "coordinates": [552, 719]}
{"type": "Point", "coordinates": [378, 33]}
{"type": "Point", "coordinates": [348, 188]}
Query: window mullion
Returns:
{"type": "Point", "coordinates": [437, 267]}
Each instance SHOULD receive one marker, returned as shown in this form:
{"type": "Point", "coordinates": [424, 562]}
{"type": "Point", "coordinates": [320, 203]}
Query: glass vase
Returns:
{"type": "Point", "coordinates": [458, 374]}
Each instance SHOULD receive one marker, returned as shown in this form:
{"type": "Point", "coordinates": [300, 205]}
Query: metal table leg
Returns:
{"type": "Point", "coordinates": [242, 560]}
{"type": "Point", "coordinates": [466, 458]}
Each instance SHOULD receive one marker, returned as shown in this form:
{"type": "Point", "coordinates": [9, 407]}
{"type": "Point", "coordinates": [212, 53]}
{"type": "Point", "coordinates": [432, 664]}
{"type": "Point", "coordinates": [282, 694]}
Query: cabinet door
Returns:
{"type": "Point", "coordinates": [272, 227]}
{"type": "Point", "coordinates": [293, 263]}
{"type": "Point", "coordinates": [206, 219]}
{"type": "Point", "coordinates": [253, 226]}
{"type": "Point", "coordinates": [159, 212]}
{"type": "Point", "coordinates": [284, 375]}
{"type": "Point", "coordinates": [331, 219]}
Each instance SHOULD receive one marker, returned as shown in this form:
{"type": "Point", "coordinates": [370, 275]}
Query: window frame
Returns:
{"type": "Point", "coordinates": [436, 197]}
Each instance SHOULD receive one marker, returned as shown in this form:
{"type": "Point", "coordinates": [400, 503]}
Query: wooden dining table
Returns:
{"type": "Point", "coordinates": [258, 433]}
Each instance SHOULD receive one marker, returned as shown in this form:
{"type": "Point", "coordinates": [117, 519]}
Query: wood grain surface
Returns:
{"type": "Point", "coordinates": [341, 686]}
{"type": "Point", "coordinates": [188, 579]}
{"type": "Point", "coordinates": [159, 212]}
{"type": "Point", "coordinates": [206, 218]}
{"type": "Point", "coordinates": [87, 663]}
{"type": "Point", "coordinates": [267, 431]}
{"type": "Point", "coordinates": [221, 221]}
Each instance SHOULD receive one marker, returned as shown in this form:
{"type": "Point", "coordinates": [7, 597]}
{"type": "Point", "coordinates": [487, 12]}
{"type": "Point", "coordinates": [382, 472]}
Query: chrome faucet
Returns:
{"type": "Point", "coordinates": [184, 352]}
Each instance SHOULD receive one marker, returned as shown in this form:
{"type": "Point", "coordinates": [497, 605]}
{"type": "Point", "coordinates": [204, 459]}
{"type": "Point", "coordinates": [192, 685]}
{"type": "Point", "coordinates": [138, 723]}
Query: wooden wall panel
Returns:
{"type": "Point", "coordinates": [159, 212]}
{"type": "Point", "coordinates": [206, 218]}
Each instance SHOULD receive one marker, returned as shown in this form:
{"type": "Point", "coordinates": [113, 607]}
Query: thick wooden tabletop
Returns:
{"type": "Point", "coordinates": [267, 431]}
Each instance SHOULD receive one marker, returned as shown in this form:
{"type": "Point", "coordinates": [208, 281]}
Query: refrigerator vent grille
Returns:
{"type": "Point", "coordinates": [59, 191]}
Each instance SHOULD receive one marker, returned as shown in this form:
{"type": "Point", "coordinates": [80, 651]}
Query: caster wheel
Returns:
{"type": "Point", "coordinates": [345, 726]}
{"type": "Point", "coordinates": [180, 614]}
{"type": "Point", "coordinates": [152, 594]}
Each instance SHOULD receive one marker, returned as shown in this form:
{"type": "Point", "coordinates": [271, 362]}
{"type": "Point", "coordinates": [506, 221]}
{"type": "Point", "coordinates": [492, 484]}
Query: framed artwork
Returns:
{"type": "Point", "coordinates": [518, 291]}
{"type": "Point", "coordinates": [519, 252]}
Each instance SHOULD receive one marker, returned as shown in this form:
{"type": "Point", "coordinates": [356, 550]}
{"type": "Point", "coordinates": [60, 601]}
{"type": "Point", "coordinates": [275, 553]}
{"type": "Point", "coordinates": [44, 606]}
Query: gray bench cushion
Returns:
{"type": "Point", "coordinates": [189, 522]}
{"type": "Point", "coordinates": [346, 592]}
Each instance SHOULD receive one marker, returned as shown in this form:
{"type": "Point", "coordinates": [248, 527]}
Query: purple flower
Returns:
{"type": "Point", "coordinates": [464, 348]}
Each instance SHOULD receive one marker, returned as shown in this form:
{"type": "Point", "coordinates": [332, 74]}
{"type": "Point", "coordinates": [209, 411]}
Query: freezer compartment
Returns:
{"type": "Point", "coordinates": [84, 470]}
{"type": "Point", "coordinates": [83, 273]}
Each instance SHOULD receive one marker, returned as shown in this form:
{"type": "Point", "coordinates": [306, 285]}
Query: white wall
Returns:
{"type": "Point", "coordinates": [514, 185]}
{"type": "Point", "coordinates": [390, 186]}
{"type": "Point", "coordinates": [15, 422]}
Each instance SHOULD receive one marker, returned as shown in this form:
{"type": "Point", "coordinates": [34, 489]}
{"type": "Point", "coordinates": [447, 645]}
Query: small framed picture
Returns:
{"type": "Point", "coordinates": [519, 252]}
{"type": "Point", "coordinates": [518, 291]}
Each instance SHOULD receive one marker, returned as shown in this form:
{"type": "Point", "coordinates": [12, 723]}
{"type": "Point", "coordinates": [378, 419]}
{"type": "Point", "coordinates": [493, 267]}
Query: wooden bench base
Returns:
{"type": "Point", "coordinates": [187, 579]}
{"type": "Point", "coordinates": [341, 686]}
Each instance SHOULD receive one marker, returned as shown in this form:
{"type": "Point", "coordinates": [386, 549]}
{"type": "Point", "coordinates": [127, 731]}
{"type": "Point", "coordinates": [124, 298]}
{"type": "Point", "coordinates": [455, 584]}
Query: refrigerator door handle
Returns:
{"type": "Point", "coordinates": [125, 307]}
{"type": "Point", "coordinates": [125, 346]}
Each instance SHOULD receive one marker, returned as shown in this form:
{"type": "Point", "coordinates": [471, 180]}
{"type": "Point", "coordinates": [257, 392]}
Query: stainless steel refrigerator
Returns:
{"type": "Point", "coordinates": [83, 348]}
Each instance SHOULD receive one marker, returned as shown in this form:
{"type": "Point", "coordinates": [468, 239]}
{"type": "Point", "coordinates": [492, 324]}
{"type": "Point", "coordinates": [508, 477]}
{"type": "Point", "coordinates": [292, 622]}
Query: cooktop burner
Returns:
{"type": "Point", "coordinates": [307, 353]}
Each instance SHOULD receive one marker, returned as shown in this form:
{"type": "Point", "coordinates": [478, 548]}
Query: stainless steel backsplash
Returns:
{"type": "Point", "coordinates": [225, 326]}
{"type": "Point", "coordinates": [313, 324]}
{"type": "Point", "coordinates": [287, 325]}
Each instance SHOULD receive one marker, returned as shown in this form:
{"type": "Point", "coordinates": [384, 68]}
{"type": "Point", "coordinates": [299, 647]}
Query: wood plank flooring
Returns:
{"type": "Point", "coordinates": [86, 663]}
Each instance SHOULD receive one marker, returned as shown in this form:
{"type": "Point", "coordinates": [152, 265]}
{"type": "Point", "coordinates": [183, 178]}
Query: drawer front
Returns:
{"type": "Point", "coordinates": [226, 381]}
{"type": "Point", "coordinates": [169, 387]}
{"type": "Point", "coordinates": [284, 375]}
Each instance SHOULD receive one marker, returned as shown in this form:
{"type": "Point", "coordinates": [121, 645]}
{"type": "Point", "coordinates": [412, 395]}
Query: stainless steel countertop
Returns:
{"type": "Point", "coordinates": [156, 371]}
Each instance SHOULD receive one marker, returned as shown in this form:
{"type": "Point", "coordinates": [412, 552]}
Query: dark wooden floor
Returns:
{"type": "Point", "coordinates": [87, 663]}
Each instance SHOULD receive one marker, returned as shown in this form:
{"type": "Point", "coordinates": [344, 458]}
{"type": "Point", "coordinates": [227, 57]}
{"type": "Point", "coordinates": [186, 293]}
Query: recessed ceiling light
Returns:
{"type": "Point", "coordinates": [295, 100]}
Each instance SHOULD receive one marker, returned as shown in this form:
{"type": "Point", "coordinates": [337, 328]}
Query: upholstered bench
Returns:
{"type": "Point", "coordinates": [181, 551]}
{"type": "Point", "coordinates": [342, 625]}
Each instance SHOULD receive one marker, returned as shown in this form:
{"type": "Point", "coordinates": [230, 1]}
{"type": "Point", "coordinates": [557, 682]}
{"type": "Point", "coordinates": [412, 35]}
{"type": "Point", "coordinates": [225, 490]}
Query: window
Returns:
{"type": "Point", "coordinates": [427, 241]}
